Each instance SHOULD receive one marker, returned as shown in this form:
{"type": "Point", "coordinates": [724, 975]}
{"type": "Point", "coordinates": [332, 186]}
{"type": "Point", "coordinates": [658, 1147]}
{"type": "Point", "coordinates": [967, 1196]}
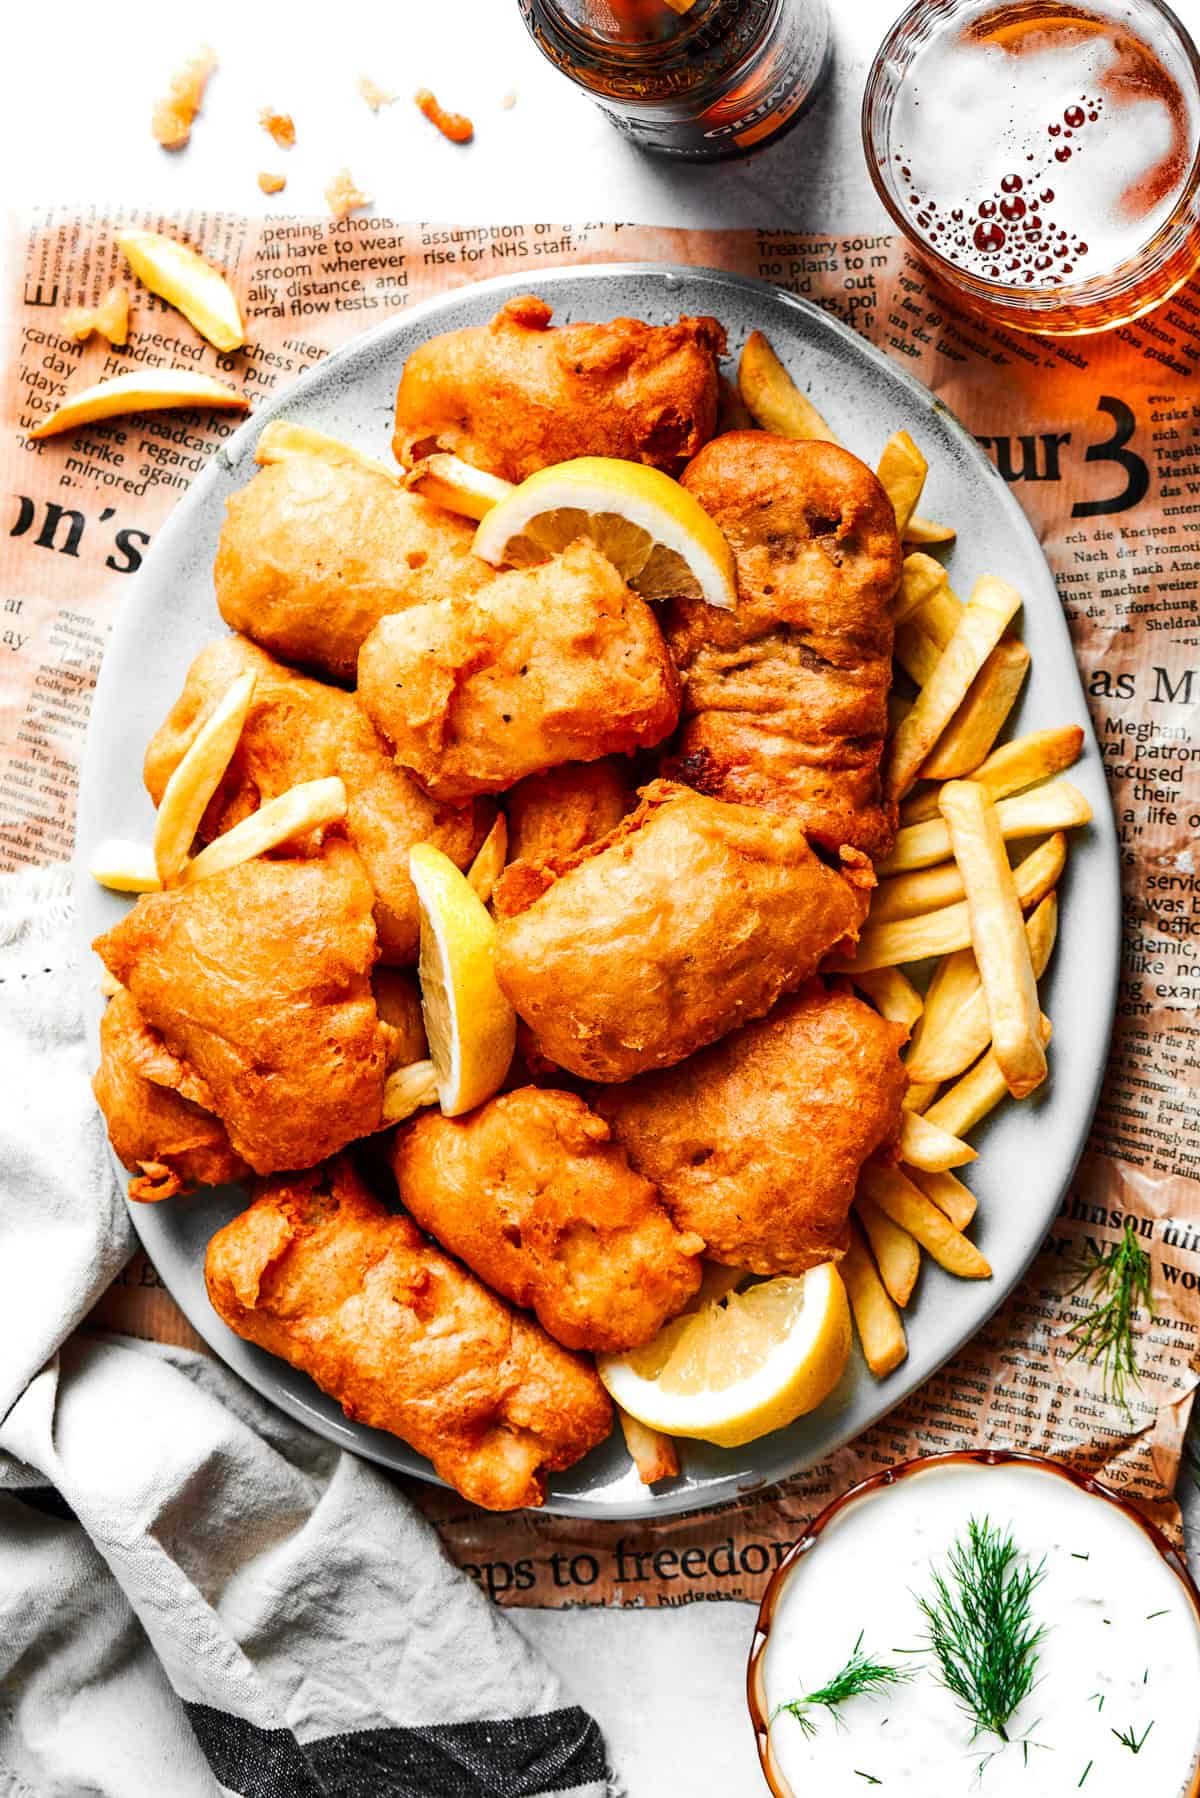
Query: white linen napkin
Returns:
{"type": "Point", "coordinates": [198, 1596]}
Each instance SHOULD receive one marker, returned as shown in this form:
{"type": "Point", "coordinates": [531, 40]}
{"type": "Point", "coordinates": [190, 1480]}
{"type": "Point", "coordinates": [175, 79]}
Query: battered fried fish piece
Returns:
{"type": "Point", "coordinates": [785, 699]}
{"type": "Point", "coordinates": [314, 553]}
{"type": "Point", "coordinates": [406, 1340]}
{"type": "Point", "coordinates": [566, 808]}
{"type": "Point", "coordinates": [531, 1192]}
{"type": "Point", "coordinates": [299, 729]}
{"type": "Point", "coordinates": [758, 1141]}
{"type": "Point", "coordinates": [258, 980]}
{"type": "Point", "coordinates": [562, 662]}
{"type": "Point", "coordinates": [688, 919]}
{"type": "Point", "coordinates": [516, 395]}
{"type": "Point", "coordinates": [168, 1142]}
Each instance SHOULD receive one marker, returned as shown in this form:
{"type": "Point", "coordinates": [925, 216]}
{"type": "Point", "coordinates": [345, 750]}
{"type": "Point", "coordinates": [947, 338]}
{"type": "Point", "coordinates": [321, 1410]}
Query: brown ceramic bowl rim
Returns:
{"type": "Point", "coordinates": [891, 1476]}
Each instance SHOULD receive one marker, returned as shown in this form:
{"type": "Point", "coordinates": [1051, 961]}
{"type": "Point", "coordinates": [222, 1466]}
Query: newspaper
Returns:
{"type": "Point", "coordinates": [1100, 438]}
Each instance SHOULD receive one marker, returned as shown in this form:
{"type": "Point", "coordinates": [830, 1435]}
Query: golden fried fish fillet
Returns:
{"type": "Point", "coordinates": [561, 662]}
{"type": "Point", "coordinates": [516, 395]}
{"type": "Point", "coordinates": [168, 1142]}
{"type": "Point", "coordinates": [566, 808]}
{"type": "Point", "coordinates": [405, 1340]}
{"type": "Point", "coordinates": [785, 699]}
{"type": "Point", "coordinates": [688, 919]}
{"type": "Point", "coordinates": [532, 1193]}
{"type": "Point", "coordinates": [314, 553]}
{"type": "Point", "coordinates": [300, 729]}
{"type": "Point", "coordinates": [757, 1142]}
{"type": "Point", "coordinates": [258, 980]}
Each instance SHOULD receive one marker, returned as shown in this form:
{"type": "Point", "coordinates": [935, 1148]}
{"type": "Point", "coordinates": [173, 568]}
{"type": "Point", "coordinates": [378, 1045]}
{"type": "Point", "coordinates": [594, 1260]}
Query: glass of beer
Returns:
{"type": "Point", "coordinates": [1043, 157]}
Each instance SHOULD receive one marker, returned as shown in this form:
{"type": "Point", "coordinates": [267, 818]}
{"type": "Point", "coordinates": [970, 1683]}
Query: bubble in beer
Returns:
{"type": "Point", "coordinates": [1012, 184]}
{"type": "Point", "coordinates": [1073, 116]}
{"type": "Point", "coordinates": [1063, 153]}
{"type": "Point", "coordinates": [987, 209]}
{"type": "Point", "coordinates": [989, 237]}
{"type": "Point", "coordinates": [1012, 208]}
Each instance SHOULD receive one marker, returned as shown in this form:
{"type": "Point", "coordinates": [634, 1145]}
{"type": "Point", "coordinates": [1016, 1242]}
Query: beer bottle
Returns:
{"type": "Point", "coordinates": [694, 78]}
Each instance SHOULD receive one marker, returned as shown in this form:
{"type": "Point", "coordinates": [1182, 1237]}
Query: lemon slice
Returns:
{"type": "Point", "coordinates": [739, 1364]}
{"type": "Point", "coordinates": [471, 1026]}
{"type": "Point", "coordinates": [652, 530]}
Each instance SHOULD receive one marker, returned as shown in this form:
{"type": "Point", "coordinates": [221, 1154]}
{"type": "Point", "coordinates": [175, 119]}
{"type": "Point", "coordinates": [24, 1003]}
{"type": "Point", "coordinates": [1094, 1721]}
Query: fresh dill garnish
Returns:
{"type": "Point", "coordinates": [1076, 1557]}
{"type": "Point", "coordinates": [1128, 1739]}
{"type": "Point", "coordinates": [1121, 1278]}
{"type": "Point", "coordinates": [981, 1627]}
{"type": "Point", "coordinates": [1151, 1615]}
{"type": "Point", "coordinates": [1099, 1700]}
{"type": "Point", "coordinates": [1085, 1773]}
{"type": "Point", "coordinates": [861, 1673]}
{"type": "Point", "coordinates": [869, 1777]}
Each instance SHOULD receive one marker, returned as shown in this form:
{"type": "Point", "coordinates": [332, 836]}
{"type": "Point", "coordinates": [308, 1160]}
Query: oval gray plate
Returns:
{"type": "Point", "coordinates": [1027, 1153]}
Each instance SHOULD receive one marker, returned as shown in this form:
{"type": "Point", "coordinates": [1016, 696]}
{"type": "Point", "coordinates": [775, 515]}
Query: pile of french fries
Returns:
{"type": "Point", "coordinates": [947, 890]}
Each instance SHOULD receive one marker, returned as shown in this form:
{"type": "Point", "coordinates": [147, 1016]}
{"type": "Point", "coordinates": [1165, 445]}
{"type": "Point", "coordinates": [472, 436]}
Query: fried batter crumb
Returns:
{"type": "Point", "coordinates": [343, 196]}
{"type": "Point", "coordinates": [278, 125]}
{"type": "Point", "coordinates": [454, 125]}
{"type": "Point", "coordinates": [508, 100]}
{"type": "Point", "coordinates": [110, 318]}
{"type": "Point", "coordinates": [272, 184]}
{"type": "Point", "coordinates": [374, 95]}
{"type": "Point", "coordinates": [171, 122]}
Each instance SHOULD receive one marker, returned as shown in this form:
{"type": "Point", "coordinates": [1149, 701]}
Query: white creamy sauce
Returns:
{"type": "Point", "coordinates": [1121, 1650]}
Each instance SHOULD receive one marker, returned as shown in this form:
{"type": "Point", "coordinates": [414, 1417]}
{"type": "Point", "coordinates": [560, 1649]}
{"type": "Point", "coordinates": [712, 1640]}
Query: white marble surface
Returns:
{"type": "Point", "coordinates": [76, 82]}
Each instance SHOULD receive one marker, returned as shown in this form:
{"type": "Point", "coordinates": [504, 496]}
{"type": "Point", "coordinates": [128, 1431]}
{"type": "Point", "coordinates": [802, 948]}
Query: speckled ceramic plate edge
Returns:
{"type": "Point", "coordinates": [1028, 1153]}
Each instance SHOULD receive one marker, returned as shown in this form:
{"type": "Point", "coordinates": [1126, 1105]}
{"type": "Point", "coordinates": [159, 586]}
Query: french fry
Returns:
{"type": "Point", "coordinates": [773, 399]}
{"type": "Point", "coordinates": [490, 858]}
{"type": "Point", "coordinates": [1057, 805]}
{"type": "Point", "coordinates": [980, 718]}
{"type": "Point", "coordinates": [1011, 768]}
{"type": "Point", "coordinates": [880, 1329]}
{"type": "Point", "coordinates": [915, 648]}
{"type": "Point", "coordinates": [142, 390]}
{"type": "Point", "coordinates": [997, 934]}
{"type": "Point", "coordinates": [924, 1145]}
{"type": "Point", "coordinates": [993, 606]}
{"type": "Point", "coordinates": [941, 614]}
{"type": "Point", "coordinates": [110, 986]}
{"type": "Point", "coordinates": [408, 1090]}
{"type": "Point", "coordinates": [919, 1096]}
{"type": "Point", "coordinates": [908, 895]}
{"type": "Point", "coordinates": [309, 806]}
{"type": "Point", "coordinates": [902, 470]}
{"type": "Point", "coordinates": [947, 1192]}
{"type": "Point", "coordinates": [197, 777]}
{"type": "Point", "coordinates": [970, 1099]}
{"type": "Point", "coordinates": [927, 531]}
{"type": "Point", "coordinates": [281, 439]}
{"type": "Point", "coordinates": [125, 867]}
{"type": "Point", "coordinates": [907, 1206]}
{"type": "Point", "coordinates": [181, 277]}
{"type": "Point", "coordinates": [920, 578]}
{"type": "Point", "coordinates": [956, 1028]}
{"type": "Point", "coordinates": [653, 1454]}
{"type": "Point", "coordinates": [897, 1255]}
{"type": "Point", "coordinates": [446, 481]}
{"type": "Point", "coordinates": [898, 708]}
{"type": "Point", "coordinates": [892, 994]}
{"type": "Point", "coordinates": [941, 932]}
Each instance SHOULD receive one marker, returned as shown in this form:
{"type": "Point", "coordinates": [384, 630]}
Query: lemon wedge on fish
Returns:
{"type": "Point", "coordinates": [737, 1365]}
{"type": "Point", "coordinates": [653, 531]}
{"type": "Point", "coordinates": [471, 1026]}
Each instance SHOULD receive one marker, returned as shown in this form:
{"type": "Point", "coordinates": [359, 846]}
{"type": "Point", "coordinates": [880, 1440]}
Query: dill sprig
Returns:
{"type": "Point", "coordinates": [1121, 1277]}
{"type": "Point", "coordinates": [1128, 1738]}
{"type": "Point", "coordinates": [861, 1673]}
{"type": "Point", "coordinates": [981, 1627]}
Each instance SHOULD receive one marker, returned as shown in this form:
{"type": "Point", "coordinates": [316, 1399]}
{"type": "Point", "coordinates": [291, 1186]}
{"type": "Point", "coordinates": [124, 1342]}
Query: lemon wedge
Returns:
{"type": "Point", "coordinates": [175, 272]}
{"type": "Point", "coordinates": [471, 1026]}
{"type": "Point", "coordinates": [737, 1365]}
{"type": "Point", "coordinates": [651, 529]}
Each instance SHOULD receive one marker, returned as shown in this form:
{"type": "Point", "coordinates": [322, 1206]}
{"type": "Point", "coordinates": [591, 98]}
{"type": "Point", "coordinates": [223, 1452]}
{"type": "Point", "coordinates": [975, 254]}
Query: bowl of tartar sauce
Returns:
{"type": "Point", "coordinates": [982, 1622]}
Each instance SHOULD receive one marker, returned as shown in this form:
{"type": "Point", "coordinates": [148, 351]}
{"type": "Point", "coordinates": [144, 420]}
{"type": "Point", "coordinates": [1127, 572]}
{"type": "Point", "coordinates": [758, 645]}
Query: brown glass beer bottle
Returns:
{"type": "Point", "coordinates": [695, 78]}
